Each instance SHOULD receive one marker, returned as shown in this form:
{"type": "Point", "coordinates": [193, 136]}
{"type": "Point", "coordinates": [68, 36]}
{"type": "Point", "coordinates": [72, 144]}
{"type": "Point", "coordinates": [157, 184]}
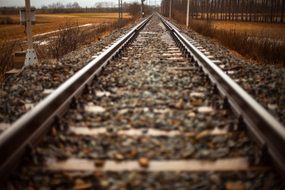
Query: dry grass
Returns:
{"type": "Point", "coordinates": [262, 42]}
{"type": "Point", "coordinates": [273, 31]}
{"type": "Point", "coordinates": [67, 40]}
{"type": "Point", "coordinates": [267, 48]}
{"type": "Point", "coordinates": [51, 22]}
{"type": "Point", "coordinates": [72, 37]}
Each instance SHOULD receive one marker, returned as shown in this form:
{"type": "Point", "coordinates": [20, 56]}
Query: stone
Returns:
{"type": "Point", "coordinates": [197, 95]}
{"type": "Point", "coordinates": [234, 186]}
{"type": "Point", "coordinates": [179, 104]}
{"type": "Point", "coordinates": [189, 151]}
{"type": "Point", "coordinates": [272, 106]}
{"type": "Point", "coordinates": [94, 109]}
{"type": "Point", "coordinates": [119, 157]}
{"type": "Point", "coordinates": [99, 163]}
{"type": "Point", "coordinates": [143, 162]}
{"type": "Point", "coordinates": [191, 114]}
{"type": "Point", "coordinates": [202, 134]}
{"type": "Point", "coordinates": [205, 109]}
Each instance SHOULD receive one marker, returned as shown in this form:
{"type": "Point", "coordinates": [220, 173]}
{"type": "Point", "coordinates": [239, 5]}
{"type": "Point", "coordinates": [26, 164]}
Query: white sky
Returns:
{"type": "Point", "coordinates": [83, 3]}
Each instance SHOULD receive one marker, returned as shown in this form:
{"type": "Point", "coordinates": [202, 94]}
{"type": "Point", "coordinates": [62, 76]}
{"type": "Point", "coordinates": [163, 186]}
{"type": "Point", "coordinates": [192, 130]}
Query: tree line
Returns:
{"type": "Point", "coordinates": [43, 10]}
{"type": "Point", "coordinates": [67, 8]}
{"type": "Point", "coordinates": [234, 10]}
{"type": "Point", "coordinates": [134, 9]}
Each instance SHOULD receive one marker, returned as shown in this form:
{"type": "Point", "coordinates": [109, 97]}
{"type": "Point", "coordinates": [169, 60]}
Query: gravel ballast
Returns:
{"type": "Point", "coordinates": [19, 93]}
{"type": "Point", "coordinates": [150, 86]}
{"type": "Point", "coordinates": [264, 82]}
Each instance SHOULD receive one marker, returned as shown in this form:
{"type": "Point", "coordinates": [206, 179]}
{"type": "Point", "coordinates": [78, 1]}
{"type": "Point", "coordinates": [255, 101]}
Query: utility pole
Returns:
{"type": "Point", "coordinates": [31, 56]}
{"type": "Point", "coordinates": [188, 13]}
{"type": "Point", "coordinates": [170, 9]}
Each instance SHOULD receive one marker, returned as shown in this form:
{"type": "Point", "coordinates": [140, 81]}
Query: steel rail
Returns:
{"type": "Point", "coordinates": [267, 131]}
{"type": "Point", "coordinates": [35, 123]}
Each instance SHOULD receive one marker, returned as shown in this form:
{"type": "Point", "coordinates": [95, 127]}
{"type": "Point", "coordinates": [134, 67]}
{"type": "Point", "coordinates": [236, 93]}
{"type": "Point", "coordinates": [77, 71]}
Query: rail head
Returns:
{"type": "Point", "coordinates": [34, 123]}
{"type": "Point", "coordinates": [269, 132]}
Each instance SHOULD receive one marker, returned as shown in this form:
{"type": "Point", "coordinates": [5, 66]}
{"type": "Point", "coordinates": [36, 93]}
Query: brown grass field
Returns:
{"type": "Point", "coordinates": [51, 22]}
{"type": "Point", "coordinates": [261, 42]}
{"type": "Point", "coordinates": [274, 31]}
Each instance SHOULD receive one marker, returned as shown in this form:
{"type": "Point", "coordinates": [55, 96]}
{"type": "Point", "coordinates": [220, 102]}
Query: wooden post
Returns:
{"type": "Point", "coordinates": [142, 8]}
{"type": "Point", "coordinates": [188, 13]}
{"type": "Point", "coordinates": [29, 25]}
{"type": "Point", "coordinates": [170, 9]}
{"type": "Point", "coordinates": [119, 3]}
{"type": "Point", "coordinates": [121, 9]}
{"type": "Point", "coordinates": [31, 57]}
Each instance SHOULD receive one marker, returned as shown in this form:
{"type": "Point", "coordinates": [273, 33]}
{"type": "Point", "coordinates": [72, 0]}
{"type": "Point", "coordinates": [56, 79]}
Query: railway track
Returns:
{"type": "Point", "coordinates": [151, 112]}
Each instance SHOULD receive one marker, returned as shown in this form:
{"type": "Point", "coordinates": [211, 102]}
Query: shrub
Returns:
{"type": "Point", "coordinates": [6, 56]}
{"type": "Point", "coordinates": [72, 36]}
{"type": "Point", "coordinates": [68, 39]}
{"type": "Point", "coordinates": [7, 20]}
